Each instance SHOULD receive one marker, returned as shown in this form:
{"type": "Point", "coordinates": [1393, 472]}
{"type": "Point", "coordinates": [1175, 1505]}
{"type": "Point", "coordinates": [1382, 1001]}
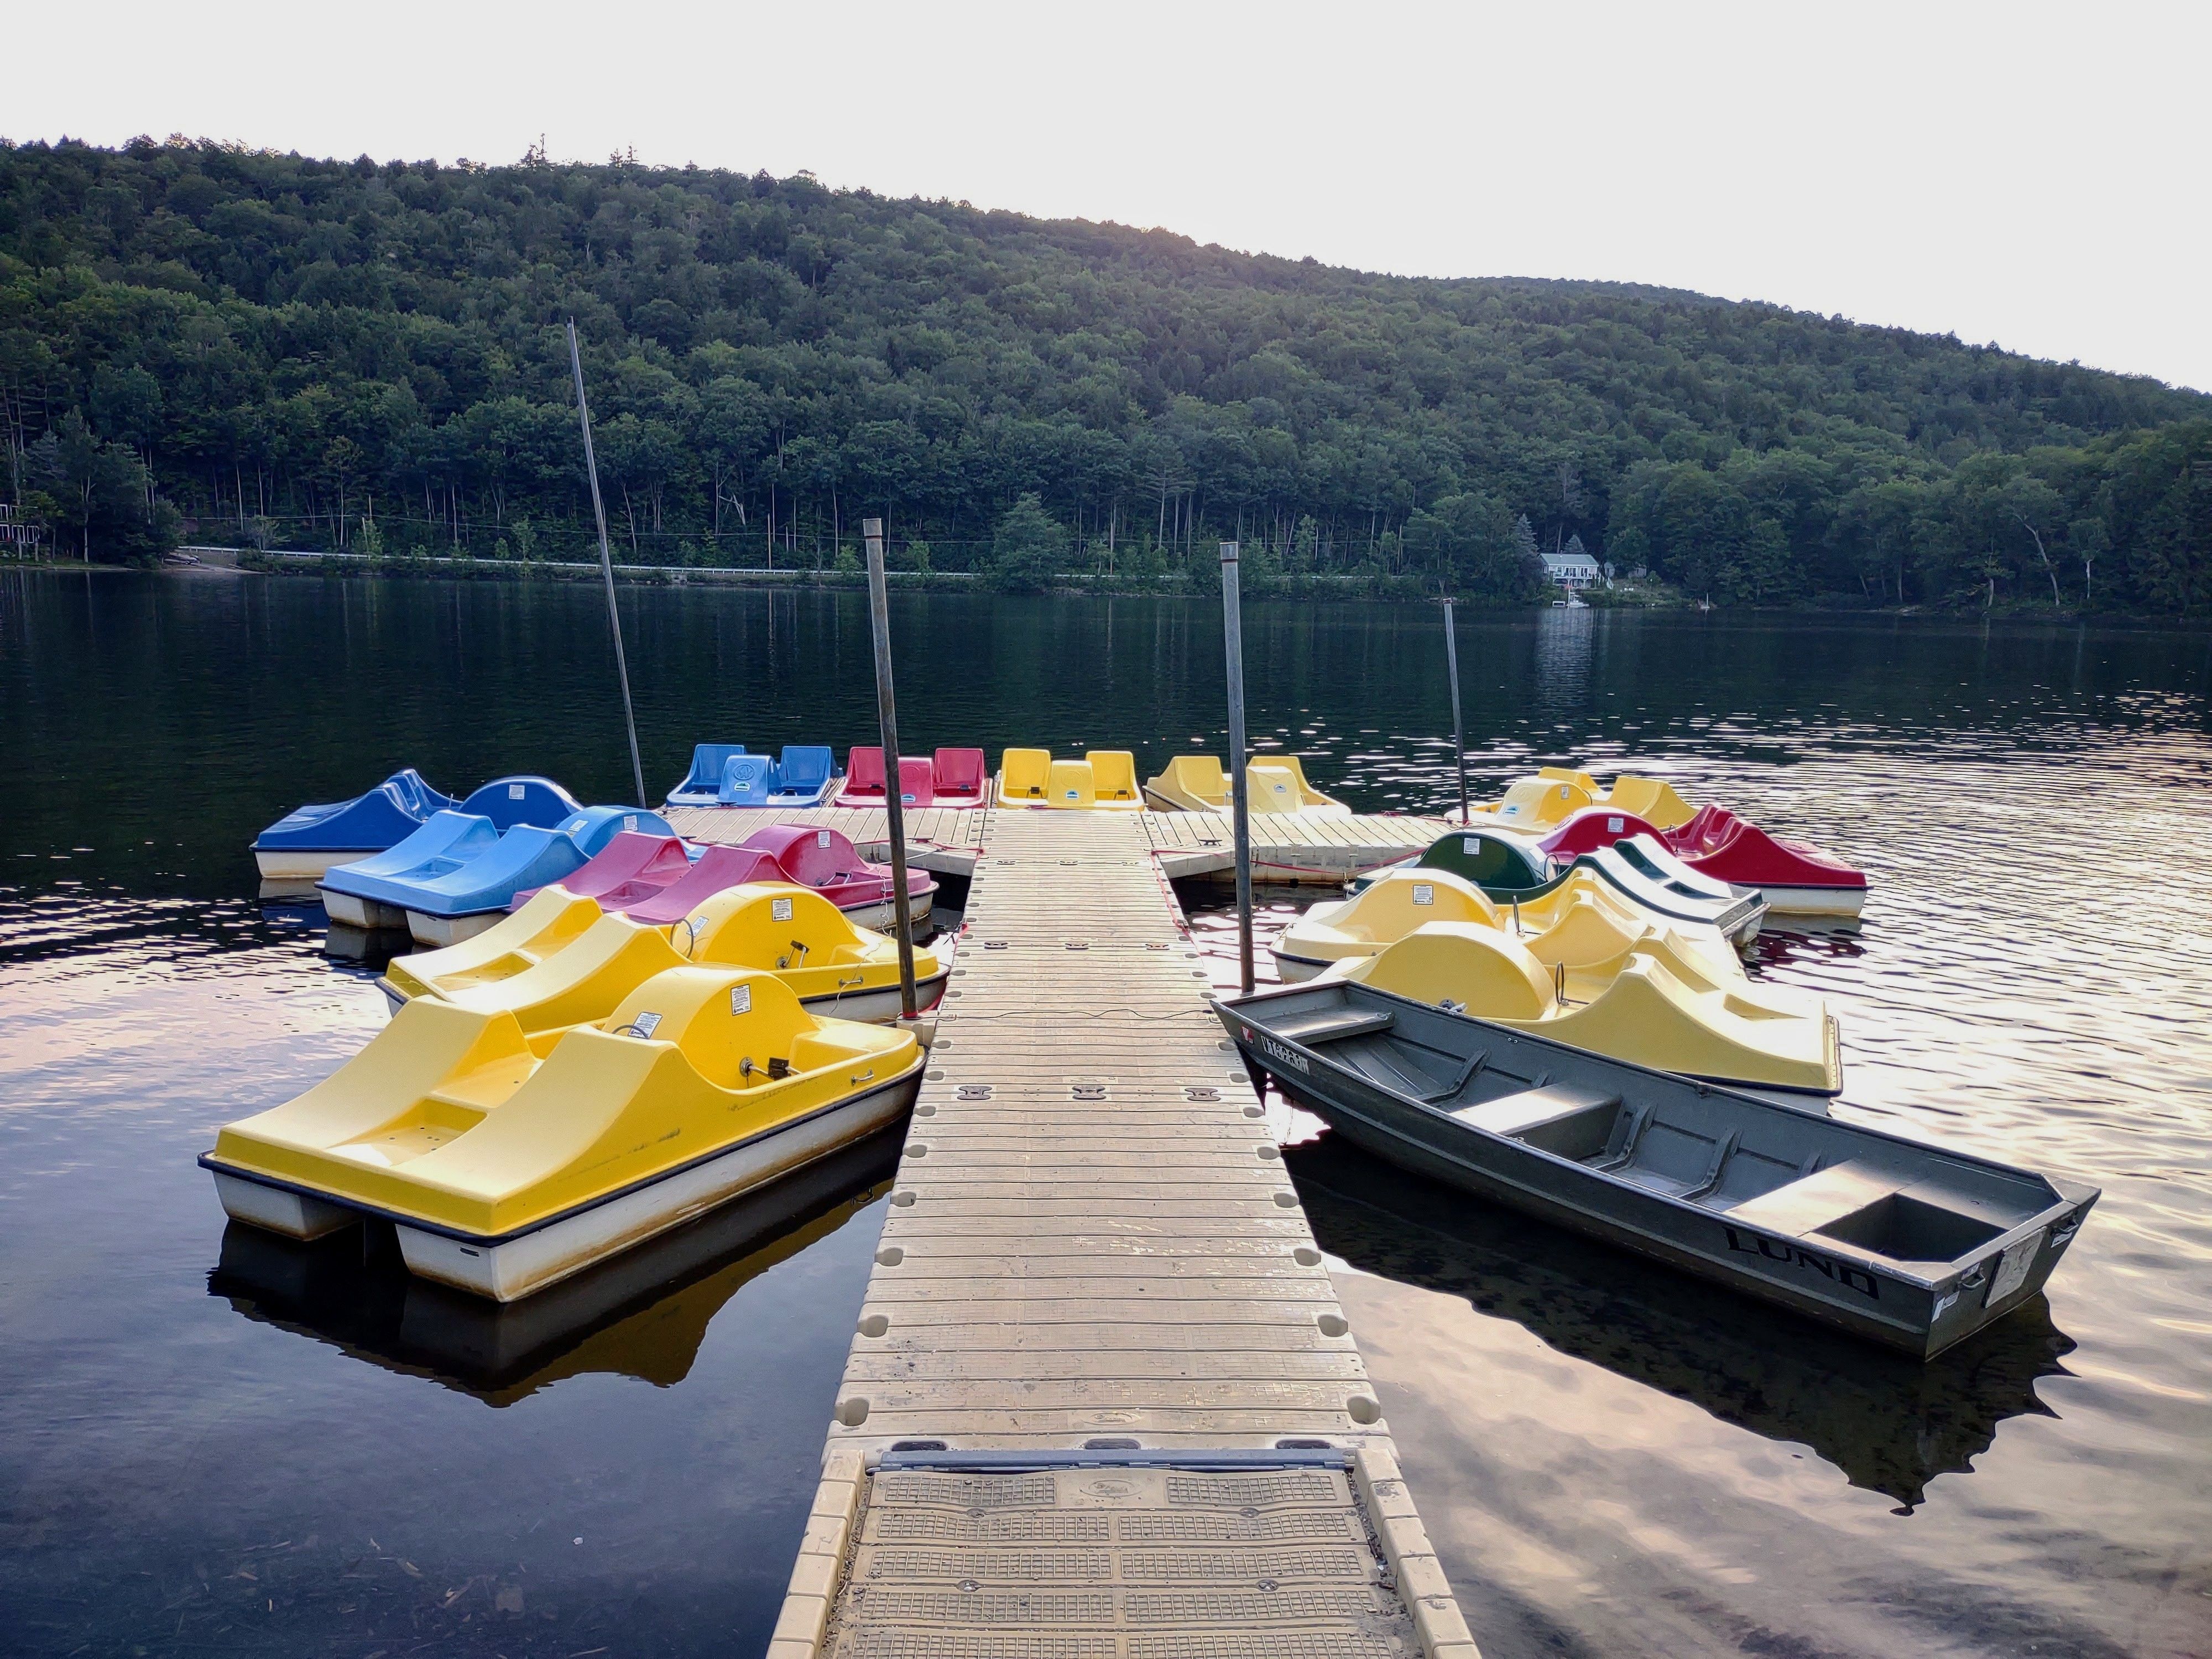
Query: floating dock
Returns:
{"type": "Point", "coordinates": [1102, 1401]}
{"type": "Point", "coordinates": [1310, 848]}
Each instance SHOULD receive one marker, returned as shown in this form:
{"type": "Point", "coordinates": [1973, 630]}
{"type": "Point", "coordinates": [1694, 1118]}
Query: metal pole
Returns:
{"type": "Point", "coordinates": [606, 564]}
{"type": "Point", "coordinates": [1240, 803]}
{"type": "Point", "coordinates": [1451, 672]}
{"type": "Point", "coordinates": [880, 618]}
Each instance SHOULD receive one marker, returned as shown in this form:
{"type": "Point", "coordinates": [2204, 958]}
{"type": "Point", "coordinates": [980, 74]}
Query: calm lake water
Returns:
{"type": "Point", "coordinates": [212, 1443]}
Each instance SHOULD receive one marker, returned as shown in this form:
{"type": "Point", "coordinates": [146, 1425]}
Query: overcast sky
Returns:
{"type": "Point", "coordinates": [2034, 175]}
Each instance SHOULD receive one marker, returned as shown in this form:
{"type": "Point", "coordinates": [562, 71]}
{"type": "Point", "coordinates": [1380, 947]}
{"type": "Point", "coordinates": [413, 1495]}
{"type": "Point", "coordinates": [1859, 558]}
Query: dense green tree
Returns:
{"type": "Point", "coordinates": [1028, 546]}
{"type": "Point", "coordinates": [292, 346]}
{"type": "Point", "coordinates": [100, 494]}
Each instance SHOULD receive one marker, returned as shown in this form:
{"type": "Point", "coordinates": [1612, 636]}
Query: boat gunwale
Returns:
{"type": "Point", "coordinates": [214, 1165]}
{"type": "Point", "coordinates": [2080, 1199]}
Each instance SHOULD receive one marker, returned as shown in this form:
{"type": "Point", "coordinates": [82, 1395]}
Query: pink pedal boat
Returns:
{"type": "Point", "coordinates": [806, 855]}
{"type": "Point", "coordinates": [653, 879]}
{"type": "Point", "coordinates": [630, 869]}
{"type": "Point", "coordinates": [950, 777]}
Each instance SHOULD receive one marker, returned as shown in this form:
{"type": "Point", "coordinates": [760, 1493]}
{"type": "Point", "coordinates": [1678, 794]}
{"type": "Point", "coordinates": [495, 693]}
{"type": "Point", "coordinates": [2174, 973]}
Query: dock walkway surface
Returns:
{"type": "Point", "coordinates": [1314, 848]}
{"type": "Point", "coordinates": [1102, 1401]}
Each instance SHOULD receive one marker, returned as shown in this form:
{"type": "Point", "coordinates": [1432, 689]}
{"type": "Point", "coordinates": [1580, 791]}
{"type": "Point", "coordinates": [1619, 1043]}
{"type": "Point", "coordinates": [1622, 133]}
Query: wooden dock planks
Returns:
{"type": "Point", "coordinates": [1092, 1243]}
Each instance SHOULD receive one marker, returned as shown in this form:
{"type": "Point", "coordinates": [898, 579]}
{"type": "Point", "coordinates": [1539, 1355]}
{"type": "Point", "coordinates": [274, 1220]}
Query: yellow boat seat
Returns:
{"type": "Point", "coordinates": [798, 935]}
{"type": "Point", "coordinates": [1113, 774]}
{"type": "Point", "coordinates": [1024, 774]}
{"type": "Point", "coordinates": [1195, 778]}
{"type": "Point", "coordinates": [1581, 781]}
{"type": "Point", "coordinates": [1651, 799]}
{"type": "Point", "coordinates": [584, 982]}
{"type": "Point", "coordinates": [1070, 784]}
{"type": "Point", "coordinates": [1644, 1011]}
{"type": "Point", "coordinates": [1545, 801]}
{"type": "Point", "coordinates": [553, 919]}
{"type": "Point", "coordinates": [1270, 787]}
{"type": "Point", "coordinates": [1384, 913]}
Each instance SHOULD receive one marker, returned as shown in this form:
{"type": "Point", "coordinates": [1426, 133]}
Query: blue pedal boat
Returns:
{"type": "Point", "coordinates": [304, 844]}
{"type": "Point", "coordinates": [467, 878]}
{"type": "Point", "coordinates": [803, 774]}
{"type": "Point", "coordinates": [703, 784]}
{"type": "Point", "coordinates": [308, 844]}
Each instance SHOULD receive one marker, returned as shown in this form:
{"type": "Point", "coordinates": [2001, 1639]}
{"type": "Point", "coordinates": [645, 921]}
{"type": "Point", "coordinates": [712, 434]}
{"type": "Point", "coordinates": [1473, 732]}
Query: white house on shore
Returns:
{"type": "Point", "coordinates": [1573, 569]}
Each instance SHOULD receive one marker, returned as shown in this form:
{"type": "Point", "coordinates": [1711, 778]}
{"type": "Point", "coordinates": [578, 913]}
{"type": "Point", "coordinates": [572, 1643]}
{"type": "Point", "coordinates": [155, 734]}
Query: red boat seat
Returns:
{"type": "Point", "coordinates": [960, 777]}
{"type": "Point", "coordinates": [864, 773]}
{"type": "Point", "coordinates": [917, 781]}
{"type": "Point", "coordinates": [716, 868]}
{"type": "Point", "coordinates": [633, 863]}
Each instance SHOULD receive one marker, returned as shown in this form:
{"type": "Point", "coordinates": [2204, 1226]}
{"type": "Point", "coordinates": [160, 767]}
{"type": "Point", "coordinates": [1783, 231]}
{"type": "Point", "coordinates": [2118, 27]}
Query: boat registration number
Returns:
{"type": "Point", "coordinates": [1289, 1057]}
{"type": "Point", "coordinates": [2012, 1268]}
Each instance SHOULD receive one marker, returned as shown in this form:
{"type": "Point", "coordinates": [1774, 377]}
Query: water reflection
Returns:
{"type": "Point", "coordinates": [1890, 1423]}
{"type": "Point", "coordinates": [642, 1315]}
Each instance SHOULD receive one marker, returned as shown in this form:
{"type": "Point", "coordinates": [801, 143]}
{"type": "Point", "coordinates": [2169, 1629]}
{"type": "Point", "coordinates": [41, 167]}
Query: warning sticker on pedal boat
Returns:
{"type": "Point", "coordinates": [779, 909]}
{"type": "Point", "coordinates": [741, 1000]}
{"type": "Point", "coordinates": [646, 1024]}
{"type": "Point", "coordinates": [1424, 892]}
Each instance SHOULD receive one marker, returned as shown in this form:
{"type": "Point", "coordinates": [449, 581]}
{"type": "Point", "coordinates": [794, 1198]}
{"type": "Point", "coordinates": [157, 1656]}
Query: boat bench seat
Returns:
{"type": "Point", "coordinates": [1332, 1025]}
{"type": "Point", "coordinates": [1813, 1201]}
{"type": "Point", "coordinates": [1516, 1114]}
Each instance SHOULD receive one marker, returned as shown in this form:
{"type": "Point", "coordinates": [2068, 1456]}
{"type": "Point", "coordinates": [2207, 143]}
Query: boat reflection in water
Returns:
{"type": "Point", "coordinates": [643, 1314]}
{"type": "Point", "coordinates": [1891, 1423]}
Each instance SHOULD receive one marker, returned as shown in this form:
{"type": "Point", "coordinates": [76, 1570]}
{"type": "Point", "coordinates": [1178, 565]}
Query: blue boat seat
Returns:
{"type": "Point", "coordinates": [522, 799]}
{"type": "Point", "coordinates": [703, 784]}
{"type": "Point", "coordinates": [749, 781]}
{"type": "Point", "coordinates": [805, 768]}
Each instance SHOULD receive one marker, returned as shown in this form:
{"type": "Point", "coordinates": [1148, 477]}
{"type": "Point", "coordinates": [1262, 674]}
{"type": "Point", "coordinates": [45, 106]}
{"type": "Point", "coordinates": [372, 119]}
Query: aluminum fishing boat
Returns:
{"type": "Point", "coordinates": [502, 1172]}
{"type": "Point", "coordinates": [1904, 1243]}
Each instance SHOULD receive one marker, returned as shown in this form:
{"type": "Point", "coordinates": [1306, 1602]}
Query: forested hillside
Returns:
{"type": "Point", "coordinates": [266, 349]}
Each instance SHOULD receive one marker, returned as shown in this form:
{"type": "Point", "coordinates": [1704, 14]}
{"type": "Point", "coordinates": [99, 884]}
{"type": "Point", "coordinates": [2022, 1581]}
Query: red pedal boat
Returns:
{"type": "Point", "coordinates": [1794, 877]}
{"type": "Point", "coordinates": [950, 777]}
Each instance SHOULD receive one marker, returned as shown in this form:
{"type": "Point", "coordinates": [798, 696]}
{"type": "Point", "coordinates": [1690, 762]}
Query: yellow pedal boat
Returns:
{"type": "Point", "coordinates": [502, 1172]}
{"type": "Point", "coordinates": [551, 974]}
{"type": "Point", "coordinates": [1580, 924]}
{"type": "Point", "coordinates": [552, 920]}
{"type": "Point", "coordinates": [1272, 783]}
{"type": "Point", "coordinates": [1103, 778]}
{"type": "Point", "coordinates": [1647, 1007]}
{"type": "Point", "coordinates": [1556, 794]}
